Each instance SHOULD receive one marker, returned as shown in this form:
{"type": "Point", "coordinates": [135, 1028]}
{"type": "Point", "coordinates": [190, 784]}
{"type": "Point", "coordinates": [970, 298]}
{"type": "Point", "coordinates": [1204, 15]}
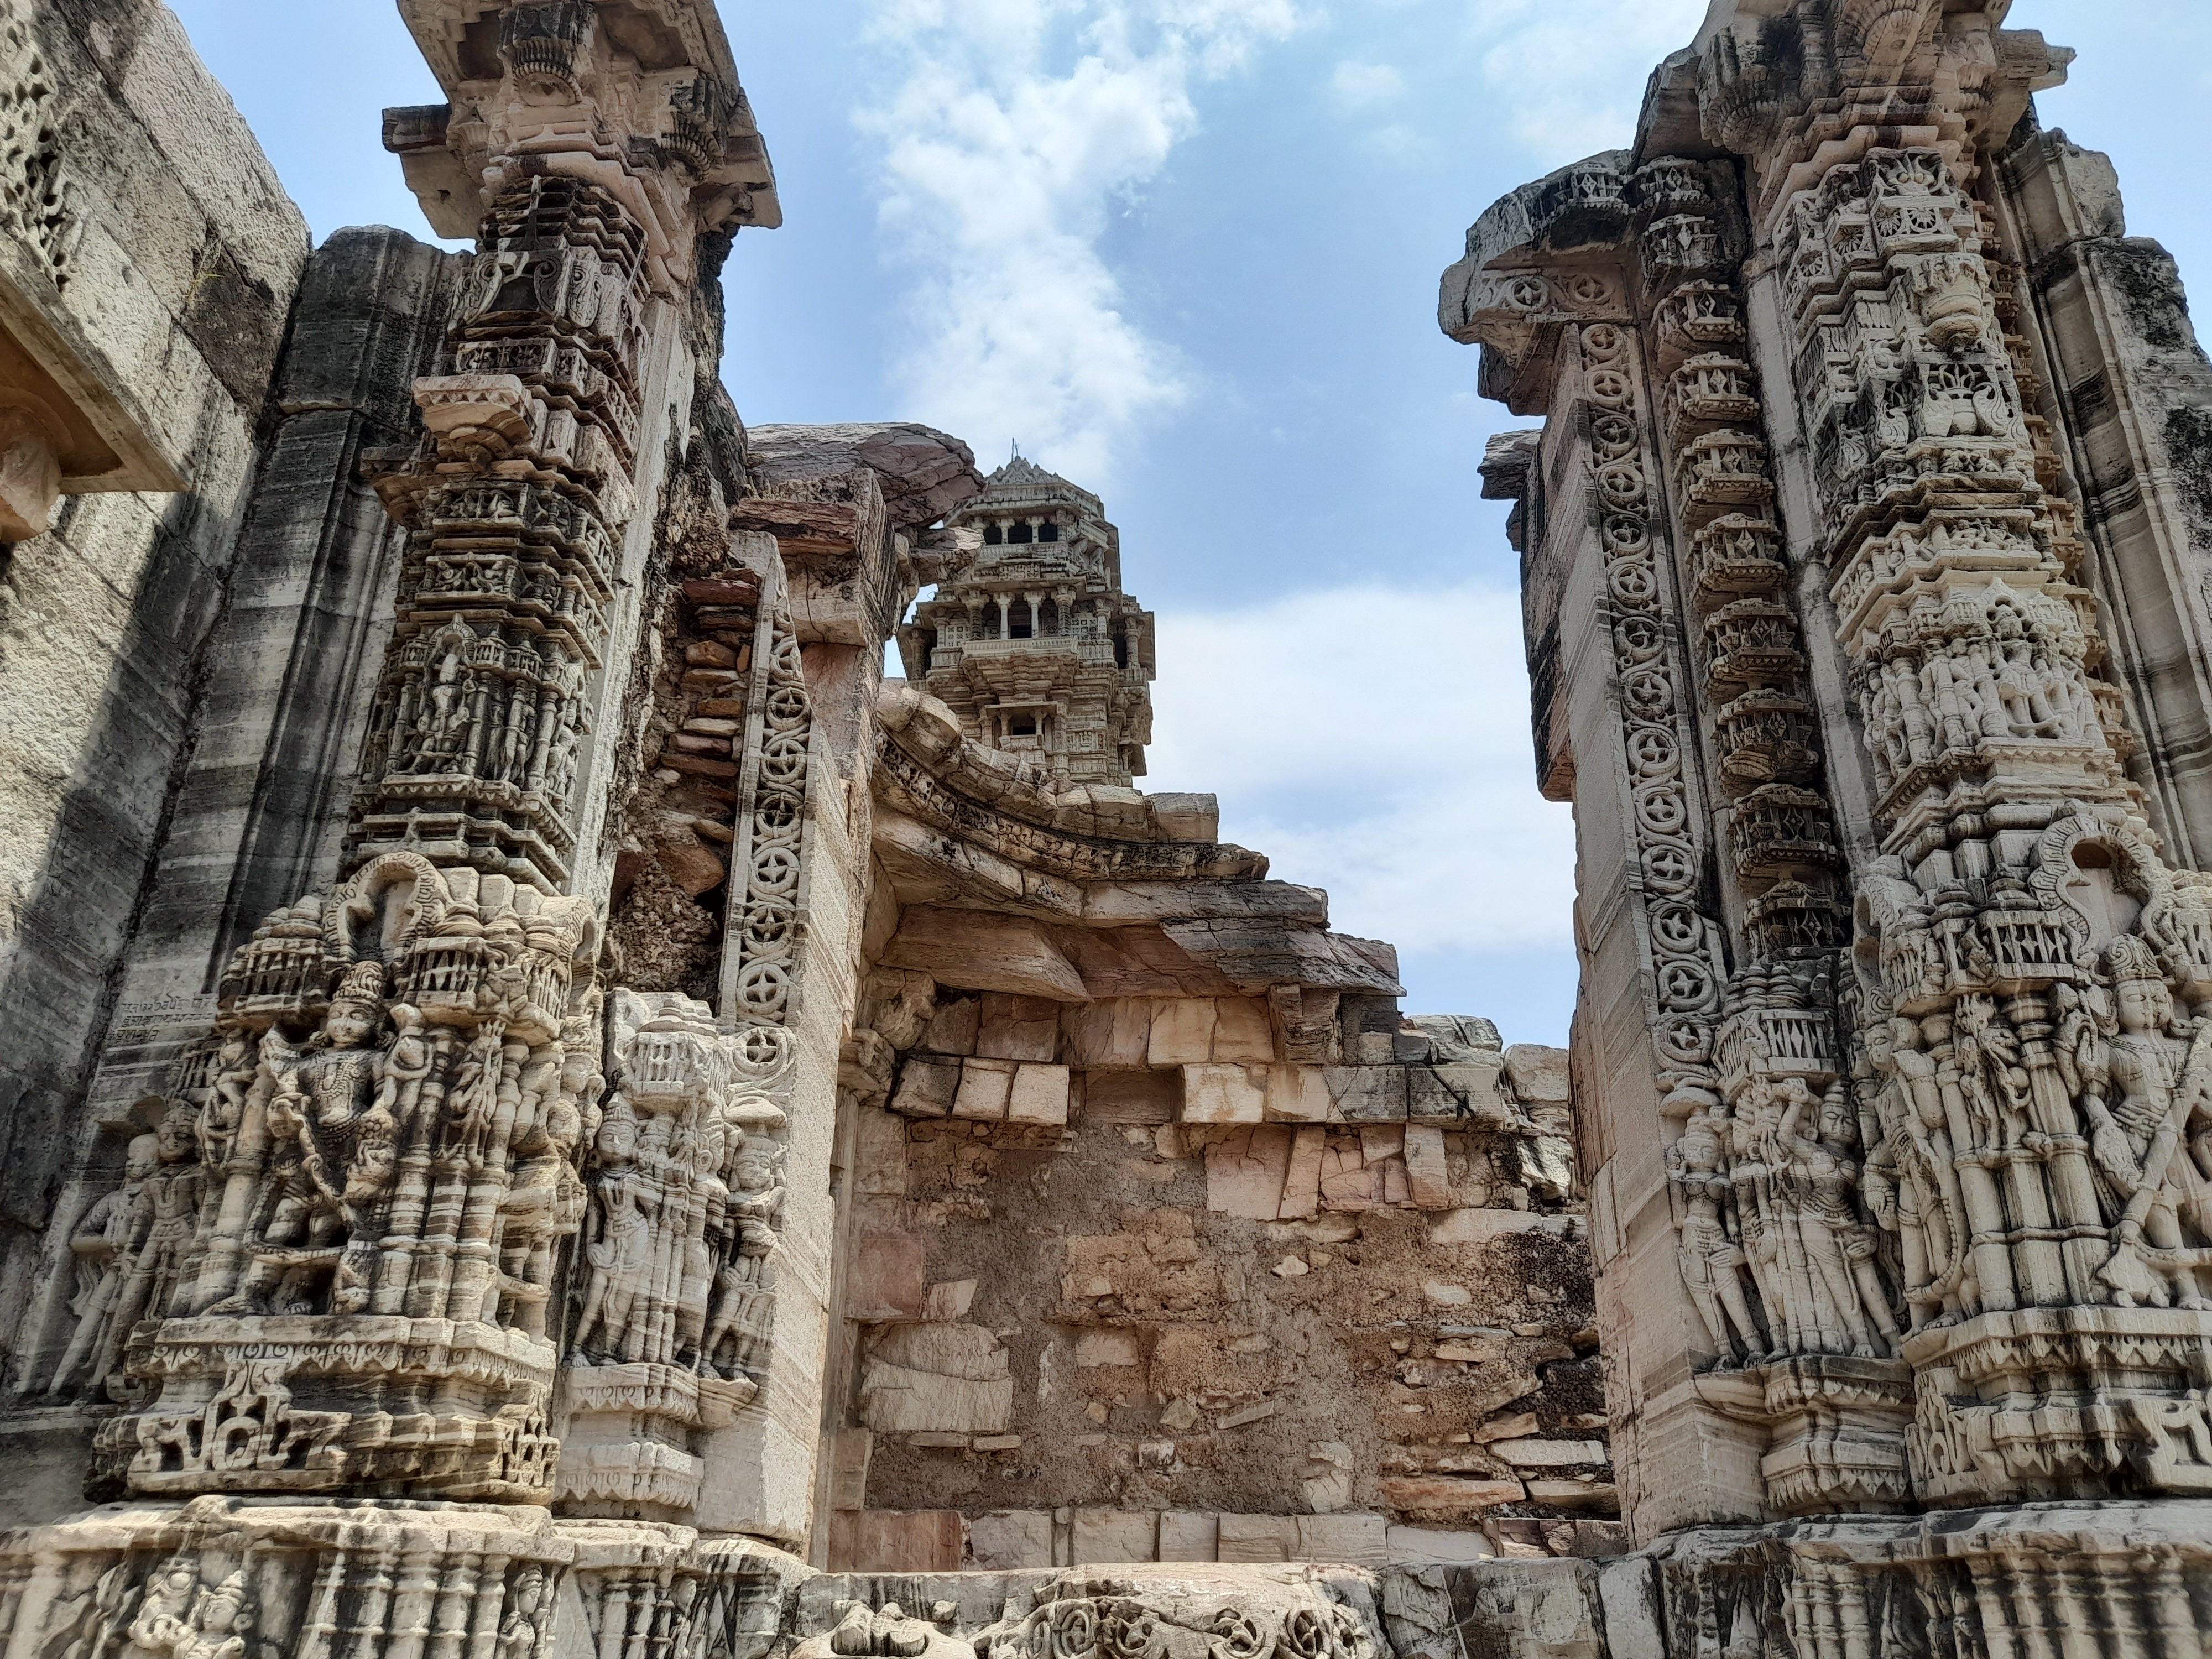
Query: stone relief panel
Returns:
{"type": "Point", "coordinates": [674, 1290]}
{"type": "Point", "coordinates": [361, 1177]}
{"type": "Point", "coordinates": [2029, 967]}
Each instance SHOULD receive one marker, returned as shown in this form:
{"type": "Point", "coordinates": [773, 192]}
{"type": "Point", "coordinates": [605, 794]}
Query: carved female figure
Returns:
{"type": "Point", "coordinates": [1712, 1262]}
{"type": "Point", "coordinates": [103, 1244]}
{"type": "Point", "coordinates": [328, 1164]}
{"type": "Point", "coordinates": [1838, 1247]}
{"type": "Point", "coordinates": [624, 1201]}
{"type": "Point", "coordinates": [2137, 1142]}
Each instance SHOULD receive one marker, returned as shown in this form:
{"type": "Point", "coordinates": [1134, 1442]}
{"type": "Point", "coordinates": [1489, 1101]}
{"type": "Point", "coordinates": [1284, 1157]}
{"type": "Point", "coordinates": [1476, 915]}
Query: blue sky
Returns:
{"type": "Point", "coordinates": [1187, 250]}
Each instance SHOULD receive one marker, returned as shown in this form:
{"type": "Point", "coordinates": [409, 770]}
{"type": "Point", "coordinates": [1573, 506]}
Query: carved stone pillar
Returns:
{"type": "Point", "coordinates": [333, 1265]}
{"type": "Point", "coordinates": [1951, 1173]}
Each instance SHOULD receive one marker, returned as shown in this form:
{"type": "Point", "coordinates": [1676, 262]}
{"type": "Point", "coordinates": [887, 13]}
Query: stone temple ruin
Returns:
{"type": "Point", "coordinates": [552, 1110]}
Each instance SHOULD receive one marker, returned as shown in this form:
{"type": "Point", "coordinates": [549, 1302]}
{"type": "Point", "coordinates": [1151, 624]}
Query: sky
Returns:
{"type": "Point", "coordinates": [1186, 252]}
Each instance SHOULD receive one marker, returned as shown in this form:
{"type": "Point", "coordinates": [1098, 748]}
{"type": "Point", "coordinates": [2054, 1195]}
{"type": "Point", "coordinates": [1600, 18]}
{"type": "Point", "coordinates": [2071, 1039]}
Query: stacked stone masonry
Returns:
{"type": "Point", "coordinates": [554, 1109]}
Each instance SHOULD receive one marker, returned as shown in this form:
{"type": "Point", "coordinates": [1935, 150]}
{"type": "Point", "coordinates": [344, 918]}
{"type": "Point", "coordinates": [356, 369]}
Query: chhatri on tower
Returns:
{"type": "Point", "coordinates": [1031, 639]}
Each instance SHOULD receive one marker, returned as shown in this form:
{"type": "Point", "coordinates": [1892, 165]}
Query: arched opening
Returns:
{"type": "Point", "coordinates": [992, 536]}
{"type": "Point", "coordinates": [1120, 649]}
{"type": "Point", "coordinates": [1048, 619]}
{"type": "Point", "coordinates": [990, 629]}
{"type": "Point", "coordinates": [1022, 726]}
{"type": "Point", "coordinates": [1020, 532]}
{"type": "Point", "coordinates": [1019, 623]}
{"type": "Point", "coordinates": [1049, 531]}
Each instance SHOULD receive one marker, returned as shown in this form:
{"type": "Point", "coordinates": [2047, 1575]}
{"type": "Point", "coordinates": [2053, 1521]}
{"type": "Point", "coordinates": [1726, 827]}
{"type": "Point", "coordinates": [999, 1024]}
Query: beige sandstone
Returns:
{"type": "Point", "coordinates": [619, 1128]}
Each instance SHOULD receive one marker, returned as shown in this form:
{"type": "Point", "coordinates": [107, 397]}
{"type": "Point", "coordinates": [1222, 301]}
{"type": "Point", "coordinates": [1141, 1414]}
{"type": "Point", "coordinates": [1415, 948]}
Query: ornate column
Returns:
{"type": "Point", "coordinates": [1935, 1173]}
{"type": "Point", "coordinates": [332, 1265]}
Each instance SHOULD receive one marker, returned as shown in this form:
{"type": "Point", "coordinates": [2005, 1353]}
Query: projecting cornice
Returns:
{"type": "Point", "coordinates": [640, 96]}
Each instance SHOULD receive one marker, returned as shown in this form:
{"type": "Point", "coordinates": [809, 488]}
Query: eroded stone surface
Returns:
{"type": "Point", "coordinates": [616, 1108]}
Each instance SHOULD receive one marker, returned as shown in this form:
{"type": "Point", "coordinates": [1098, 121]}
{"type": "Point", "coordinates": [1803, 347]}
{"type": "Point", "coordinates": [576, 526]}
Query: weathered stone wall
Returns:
{"type": "Point", "coordinates": [173, 254]}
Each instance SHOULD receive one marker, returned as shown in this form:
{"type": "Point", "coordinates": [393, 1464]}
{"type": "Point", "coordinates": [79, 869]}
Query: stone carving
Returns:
{"type": "Point", "coordinates": [33, 197]}
{"type": "Point", "coordinates": [1945, 1153]}
{"type": "Point", "coordinates": [378, 1158]}
{"type": "Point", "coordinates": [759, 975]}
{"type": "Point", "coordinates": [1029, 640]}
{"type": "Point", "coordinates": [676, 1283]}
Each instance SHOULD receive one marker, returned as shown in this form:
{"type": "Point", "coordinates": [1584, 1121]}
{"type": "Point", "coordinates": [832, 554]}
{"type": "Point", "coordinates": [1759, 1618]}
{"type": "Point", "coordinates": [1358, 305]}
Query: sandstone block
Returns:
{"type": "Point", "coordinates": [849, 1468]}
{"type": "Point", "coordinates": [985, 1085]}
{"type": "Point", "coordinates": [1186, 817]}
{"type": "Point", "coordinates": [1008, 1541]}
{"type": "Point", "coordinates": [1537, 1074]}
{"type": "Point", "coordinates": [1423, 1546]}
{"type": "Point", "coordinates": [926, 1087]}
{"type": "Point", "coordinates": [946, 1378]}
{"type": "Point", "coordinates": [1186, 1535]}
{"type": "Point", "coordinates": [1478, 1346]}
{"type": "Point", "coordinates": [1368, 1094]}
{"type": "Point", "coordinates": [1224, 1094]}
{"type": "Point", "coordinates": [1242, 1030]}
{"type": "Point", "coordinates": [892, 1541]}
{"type": "Point", "coordinates": [1466, 1092]}
{"type": "Point", "coordinates": [1532, 1453]}
{"type": "Point", "coordinates": [1108, 1347]}
{"type": "Point", "coordinates": [1245, 1173]}
{"type": "Point", "coordinates": [1575, 1494]}
{"type": "Point", "coordinates": [948, 1300]}
{"type": "Point", "coordinates": [1445, 1493]}
{"type": "Point", "coordinates": [1519, 1425]}
{"type": "Point", "coordinates": [979, 950]}
{"type": "Point", "coordinates": [1017, 1028]}
{"type": "Point", "coordinates": [1181, 1031]}
{"type": "Point", "coordinates": [1428, 1181]}
{"type": "Point", "coordinates": [1356, 1541]}
{"type": "Point", "coordinates": [1113, 1031]}
{"type": "Point", "coordinates": [1256, 1538]}
{"type": "Point", "coordinates": [885, 1280]}
{"type": "Point", "coordinates": [1302, 1180]}
{"type": "Point", "coordinates": [953, 1027]}
{"type": "Point", "coordinates": [1107, 1536]}
{"type": "Point", "coordinates": [1039, 1095]}
{"type": "Point", "coordinates": [1297, 1094]}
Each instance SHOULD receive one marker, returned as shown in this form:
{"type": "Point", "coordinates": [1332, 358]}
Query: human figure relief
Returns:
{"type": "Point", "coordinates": [103, 1243]}
{"type": "Point", "coordinates": [547, 1200]}
{"type": "Point", "coordinates": [217, 1127]}
{"type": "Point", "coordinates": [474, 1098]}
{"type": "Point", "coordinates": [2163, 1081]}
{"type": "Point", "coordinates": [530, 1609]}
{"type": "Point", "coordinates": [1712, 1261]}
{"type": "Point", "coordinates": [334, 1151]}
{"type": "Point", "coordinates": [179, 1618]}
{"type": "Point", "coordinates": [152, 1258]}
{"type": "Point", "coordinates": [1840, 1248]}
{"type": "Point", "coordinates": [618, 1246]}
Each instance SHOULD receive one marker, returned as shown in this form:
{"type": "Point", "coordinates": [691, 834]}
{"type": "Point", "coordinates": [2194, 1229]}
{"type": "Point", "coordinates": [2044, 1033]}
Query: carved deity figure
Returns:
{"type": "Point", "coordinates": [523, 1629]}
{"type": "Point", "coordinates": [103, 1243]}
{"type": "Point", "coordinates": [619, 1244]}
{"type": "Point", "coordinates": [1839, 1249]}
{"type": "Point", "coordinates": [178, 1617]}
{"type": "Point", "coordinates": [1712, 1261]}
{"type": "Point", "coordinates": [744, 1298]}
{"type": "Point", "coordinates": [334, 1140]}
{"type": "Point", "coordinates": [2158, 1088]}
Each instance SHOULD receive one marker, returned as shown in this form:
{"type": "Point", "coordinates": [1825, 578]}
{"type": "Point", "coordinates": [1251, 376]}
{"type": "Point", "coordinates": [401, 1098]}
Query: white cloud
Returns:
{"type": "Point", "coordinates": [1012, 130]}
{"type": "Point", "coordinates": [1362, 86]}
{"type": "Point", "coordinates": [1571, 77]}
{"type": "Point", "coordinates": [1374, 741]}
